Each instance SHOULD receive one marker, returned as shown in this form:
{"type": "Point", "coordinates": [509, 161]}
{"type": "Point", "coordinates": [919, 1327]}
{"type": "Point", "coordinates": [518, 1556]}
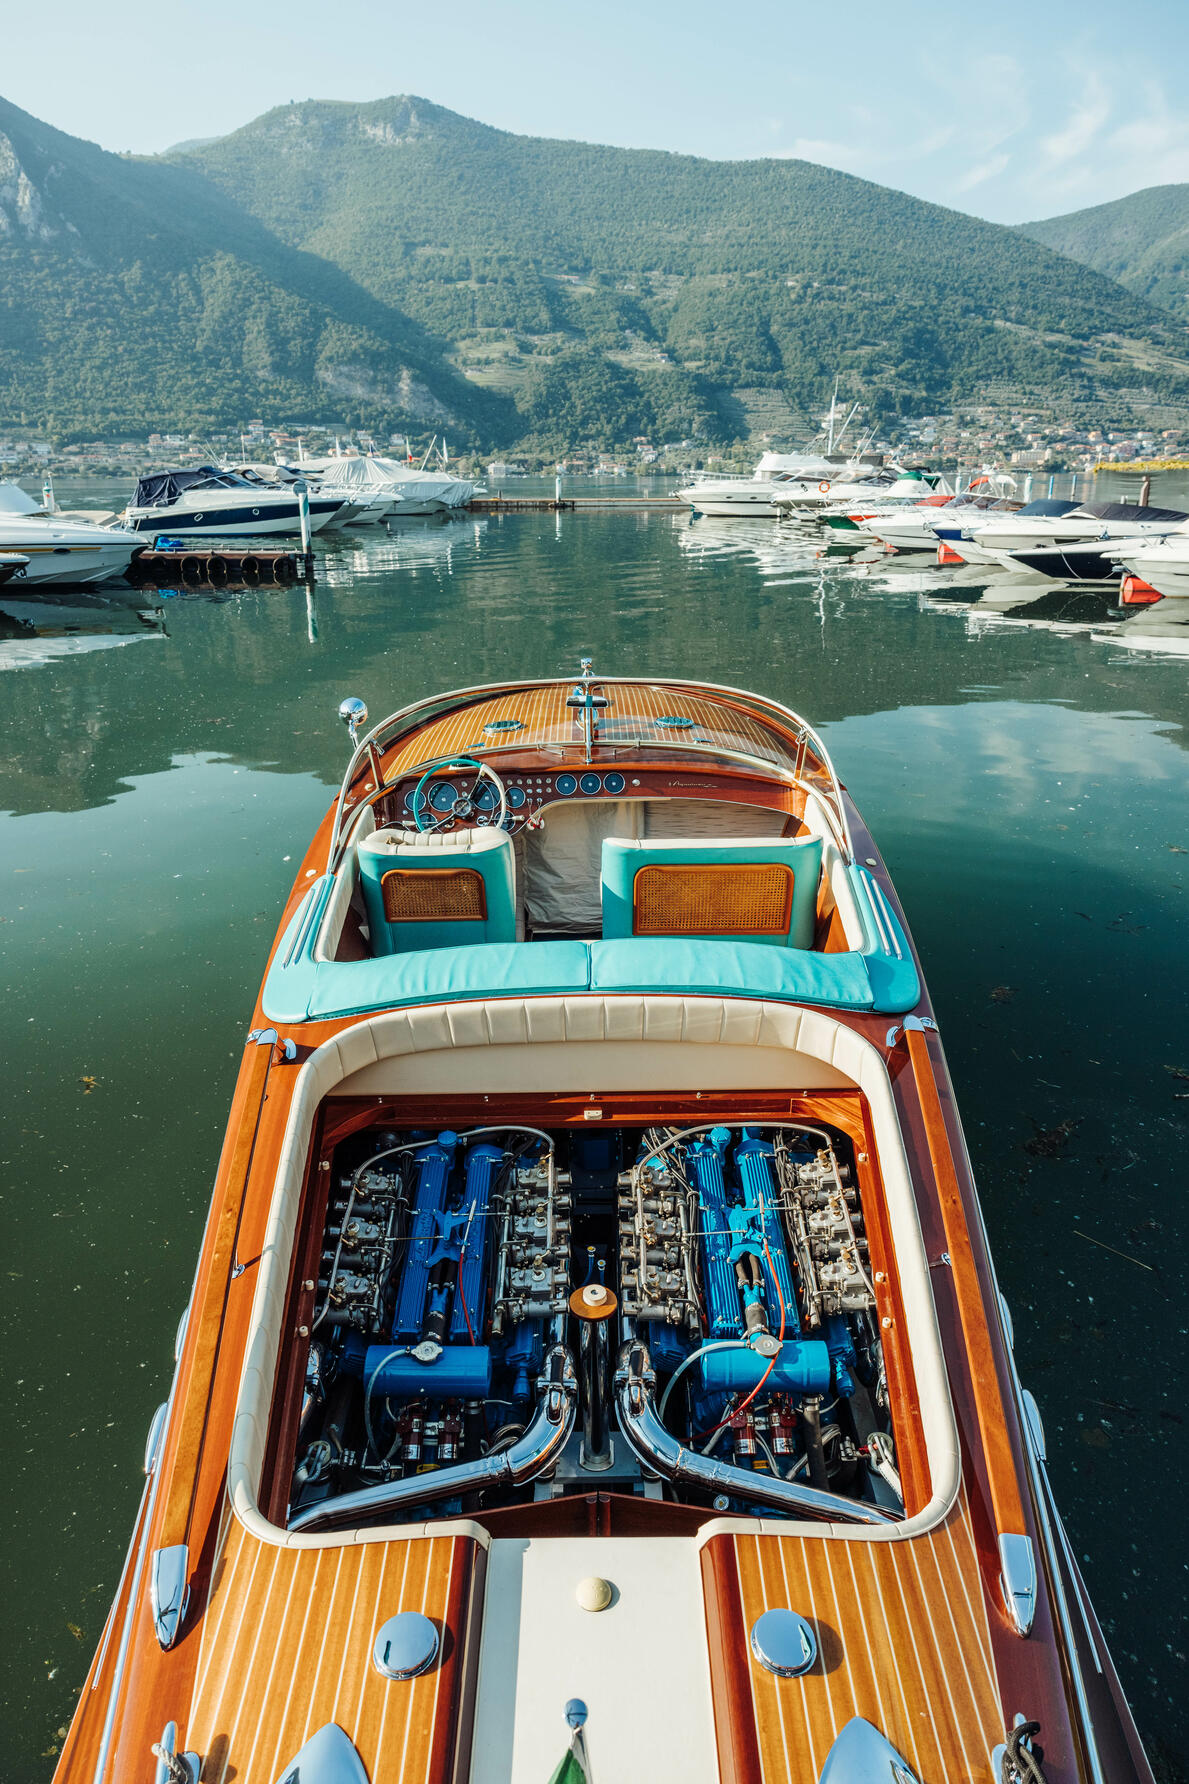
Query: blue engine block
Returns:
{"type": "Point", "coordinates": [740, 1218]}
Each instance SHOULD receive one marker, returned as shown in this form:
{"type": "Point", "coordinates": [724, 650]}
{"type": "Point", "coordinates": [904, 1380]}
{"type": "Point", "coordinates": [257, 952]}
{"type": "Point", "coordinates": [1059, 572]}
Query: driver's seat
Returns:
{"type": "Point", "coordinates": [438, 888]}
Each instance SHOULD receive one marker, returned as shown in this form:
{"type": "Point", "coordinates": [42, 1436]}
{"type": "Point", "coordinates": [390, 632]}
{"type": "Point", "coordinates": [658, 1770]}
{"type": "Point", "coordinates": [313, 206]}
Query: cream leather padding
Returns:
{"type": "Point", "coordinates": [346, 880]}
{"type": "Point", "coordinates": [633, 1024]}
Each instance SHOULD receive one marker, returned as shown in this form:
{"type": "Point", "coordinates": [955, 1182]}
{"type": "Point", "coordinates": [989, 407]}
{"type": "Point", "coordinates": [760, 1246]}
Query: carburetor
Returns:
{"type": "Point", "coordinates": [533, 1271]}
{"type": "Point", "coordinates": [827, 1227]}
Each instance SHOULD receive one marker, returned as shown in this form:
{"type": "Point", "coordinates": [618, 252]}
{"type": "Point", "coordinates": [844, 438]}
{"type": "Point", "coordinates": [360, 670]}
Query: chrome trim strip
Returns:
{"type": "Point", "coordinates": [880, 899]}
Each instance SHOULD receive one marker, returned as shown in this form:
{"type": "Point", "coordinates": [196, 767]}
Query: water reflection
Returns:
{"type": "Point", "coordinates": [1023, 770]}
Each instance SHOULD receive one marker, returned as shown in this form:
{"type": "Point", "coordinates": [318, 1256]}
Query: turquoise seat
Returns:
{"type": "Point", "coordinates": [437, 889]}
{"type": "Point", "coordinates": [758, 890]}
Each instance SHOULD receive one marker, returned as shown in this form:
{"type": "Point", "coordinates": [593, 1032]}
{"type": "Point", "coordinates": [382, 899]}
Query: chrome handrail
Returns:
{"type": "Point", "coordinates": [386, 731]}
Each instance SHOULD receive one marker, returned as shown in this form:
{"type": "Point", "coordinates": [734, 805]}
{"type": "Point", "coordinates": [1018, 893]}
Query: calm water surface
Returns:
{"type": "Point", "coordinates": [160, 775]}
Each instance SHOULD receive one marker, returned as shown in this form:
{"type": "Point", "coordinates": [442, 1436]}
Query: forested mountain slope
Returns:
{"type": "Point", "coordinates": [598, 284]}
{"type": "Point", "coordinates": [1141, 240]}
{"type": "Point", "coordinates": [394, 264]}
{"type": "Point", "coordinates": [136, 295]}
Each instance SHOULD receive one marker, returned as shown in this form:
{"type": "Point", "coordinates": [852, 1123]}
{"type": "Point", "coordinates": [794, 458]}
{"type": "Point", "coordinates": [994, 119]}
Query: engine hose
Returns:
{"type": "Point", "coordinates": [635, 1385]}
{"type": "Point", "coordinates": [811, 1426]}
{"type": "Point", "coordinates": [525, 1459]}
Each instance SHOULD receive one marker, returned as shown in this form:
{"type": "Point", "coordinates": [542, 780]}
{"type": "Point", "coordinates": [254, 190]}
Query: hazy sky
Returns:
{"type": "Point", "coordinates": [1013, 110]}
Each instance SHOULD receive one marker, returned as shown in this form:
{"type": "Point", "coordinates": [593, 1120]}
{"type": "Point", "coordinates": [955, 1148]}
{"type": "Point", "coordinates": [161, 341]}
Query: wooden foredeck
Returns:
{"type": "Point", "coordinates": [903, 1640]}
{"type": "Point", "coordinates": [287, 1639]}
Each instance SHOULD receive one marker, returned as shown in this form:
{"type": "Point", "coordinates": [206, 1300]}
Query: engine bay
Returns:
{"type": "Point", "coordinates": [510, 1314]}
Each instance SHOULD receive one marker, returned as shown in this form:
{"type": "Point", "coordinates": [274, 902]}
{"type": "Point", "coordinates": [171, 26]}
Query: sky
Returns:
{"type": "Point", "coordinates": [1013, 111]}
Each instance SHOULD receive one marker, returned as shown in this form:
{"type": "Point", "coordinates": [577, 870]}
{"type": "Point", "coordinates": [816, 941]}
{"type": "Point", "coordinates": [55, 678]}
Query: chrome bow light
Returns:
{"type": "Point", "coordinates": [353, 713]}
{"type": "Point", "coordinates": [862, 1755]}
{"type": "Point", "coordinates": [328, 1757]}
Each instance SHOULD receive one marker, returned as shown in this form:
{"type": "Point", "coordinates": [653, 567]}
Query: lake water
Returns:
{"type": "Point", "coordinates": [160, 775]}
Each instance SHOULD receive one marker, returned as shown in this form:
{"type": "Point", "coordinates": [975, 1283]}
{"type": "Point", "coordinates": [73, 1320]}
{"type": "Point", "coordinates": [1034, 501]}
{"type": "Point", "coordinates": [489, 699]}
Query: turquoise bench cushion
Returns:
{"type": "Point", "coordinates": [623, 859]}
{"type": "Point", "coordinates": [730, 969]}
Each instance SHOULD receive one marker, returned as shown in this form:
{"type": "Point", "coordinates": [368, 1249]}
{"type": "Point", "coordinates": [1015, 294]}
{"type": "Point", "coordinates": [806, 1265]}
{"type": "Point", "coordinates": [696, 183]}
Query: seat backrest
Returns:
{"type": "Point", "coordinates": [438, 888]}
{"type": "Point", "coordinates": [760, 888]}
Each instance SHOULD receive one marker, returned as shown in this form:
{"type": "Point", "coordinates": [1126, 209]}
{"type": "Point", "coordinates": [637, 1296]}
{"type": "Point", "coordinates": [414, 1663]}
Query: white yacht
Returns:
{"type": "Point", "coordinates": [203, 499]}
{"type": "Point", "coordinates": [283, 477]}
{"type": "Point", "coordinates": [1162, 562]}
{"type": "Point", "coordinates": [915, 528]}
{"type": "Point", "coordinates": [849, 502]}
{"type": "Point", "coordinates": [60, 548]}
{"type": "Point", "coordinates": [413, 491]}
{"type": "Point", "coordinates": [1048, 522]}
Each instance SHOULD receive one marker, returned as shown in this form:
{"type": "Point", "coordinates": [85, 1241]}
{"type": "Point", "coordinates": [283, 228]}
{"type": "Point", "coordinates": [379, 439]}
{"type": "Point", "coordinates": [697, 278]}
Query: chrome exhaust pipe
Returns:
{"type": "Point", "coordinates": [658, 1449]}
{"type": "Point", "coordinates": [523, 1461]}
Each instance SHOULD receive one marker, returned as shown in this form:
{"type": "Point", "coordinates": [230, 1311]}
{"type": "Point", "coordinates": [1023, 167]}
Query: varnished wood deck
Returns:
{"type": "Point", "coordinates": [287, 1640]}
{"type": "Point", "coordinates": [903, 1641]}
{"type": "Point", "coordinates": [546, 719]}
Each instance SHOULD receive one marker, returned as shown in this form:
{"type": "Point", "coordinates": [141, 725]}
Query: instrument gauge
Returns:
{"type": "Point", "coordinates": [591, 783]}
{"type": "Point", "coordinates": [408, 802]}
{"type": "Point", "coordinates": [485, 797]}
{"type": "Point", "coordinates": [613, 783]}
{"type": "Point", "coordinates": [443, 796]}
{"type": "Point", "coordinates": [515, 798]}
{"type": "Point", "coordinates": [564, 785]}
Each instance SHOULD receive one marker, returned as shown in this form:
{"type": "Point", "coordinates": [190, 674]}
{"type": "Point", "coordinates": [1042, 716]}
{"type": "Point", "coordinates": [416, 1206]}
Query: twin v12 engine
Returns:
{"type": "Point", "coordinates": [513, 1314]}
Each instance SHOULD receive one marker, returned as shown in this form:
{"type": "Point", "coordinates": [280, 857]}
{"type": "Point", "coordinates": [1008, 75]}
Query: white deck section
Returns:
{"type": "Point", "coordinates": [640, 1666]}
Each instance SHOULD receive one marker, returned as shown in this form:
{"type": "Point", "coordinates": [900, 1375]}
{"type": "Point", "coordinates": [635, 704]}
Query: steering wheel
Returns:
{"type": "Point", "coordinates": [464, 806]}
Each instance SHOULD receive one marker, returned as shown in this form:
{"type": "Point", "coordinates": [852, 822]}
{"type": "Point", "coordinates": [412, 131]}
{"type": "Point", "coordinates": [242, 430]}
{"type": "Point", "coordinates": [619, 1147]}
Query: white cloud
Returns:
{"type": "Point", "coordinates": [1088, 118]}
{"type": "Point", "coordinates": [986, 170]}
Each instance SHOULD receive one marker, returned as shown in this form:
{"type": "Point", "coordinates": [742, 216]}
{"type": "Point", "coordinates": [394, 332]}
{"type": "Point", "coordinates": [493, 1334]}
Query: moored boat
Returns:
{"type": "Point", "coordinates": [60, 548]}
{"type": "Point", "coordinates": [595, 1292]}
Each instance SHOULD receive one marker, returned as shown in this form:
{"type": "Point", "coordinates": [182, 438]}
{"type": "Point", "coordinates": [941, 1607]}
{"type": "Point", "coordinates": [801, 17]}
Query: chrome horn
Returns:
{"type": "Point", "coordinates": [353, 713]}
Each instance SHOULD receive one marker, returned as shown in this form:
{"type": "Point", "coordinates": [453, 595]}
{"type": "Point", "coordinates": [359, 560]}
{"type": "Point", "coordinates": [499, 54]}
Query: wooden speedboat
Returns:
{"type": "Point", "coordinates": [595, 1360]}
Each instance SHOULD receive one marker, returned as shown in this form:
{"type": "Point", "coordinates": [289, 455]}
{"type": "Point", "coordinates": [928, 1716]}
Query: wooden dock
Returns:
{"type": "Point", "coordinates": [501, 504]}
{"type": "Point", "coordinates": [204, 564]}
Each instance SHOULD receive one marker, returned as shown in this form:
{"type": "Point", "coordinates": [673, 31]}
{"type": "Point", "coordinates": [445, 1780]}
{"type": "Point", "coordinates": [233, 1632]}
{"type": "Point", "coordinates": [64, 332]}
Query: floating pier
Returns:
{"type": "Point", "coordinates": [197, 564]}
{"type": "Point", "coordinates": [501, 504]}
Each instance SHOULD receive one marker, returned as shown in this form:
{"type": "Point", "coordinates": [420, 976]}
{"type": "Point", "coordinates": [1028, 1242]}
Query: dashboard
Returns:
{"type": "Point", "coordinates": [477, 801]}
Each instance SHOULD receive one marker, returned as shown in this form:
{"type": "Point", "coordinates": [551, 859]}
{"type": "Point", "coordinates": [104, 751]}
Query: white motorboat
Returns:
{"type": "Point", "coordinates": [1164, 563]}
{"type": "Point", "coordinates": [59, 548]}
{"type": "Point", "coordinates": [206, 500]}
{"type": "Point", "coordinates": [915, 528]}
{"type": "Point", "coordinates": [1046, 523]}
{"type": "Point", "coordinates": [413, 491]}
{"type": "Point", "coordinates": [849, 503]}
{"type": "Point", "coordinates": [283, 477]}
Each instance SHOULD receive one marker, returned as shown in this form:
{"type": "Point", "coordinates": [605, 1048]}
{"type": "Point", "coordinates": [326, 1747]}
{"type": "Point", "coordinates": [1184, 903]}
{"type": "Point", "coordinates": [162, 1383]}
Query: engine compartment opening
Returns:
{"type": "Point", "coordinates": [511, 1315]}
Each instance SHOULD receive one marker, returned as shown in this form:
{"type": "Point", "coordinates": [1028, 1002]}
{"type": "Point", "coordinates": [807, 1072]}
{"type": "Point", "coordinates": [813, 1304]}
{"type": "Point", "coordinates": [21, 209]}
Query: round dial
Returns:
{"type": "Point", "coordinates": [591, 783]}
{"type": "Point", "coordinates": [442, 797]}
{"type": "Point", "coordinates": [485, 797]}
{"type": "Point", "coordinates": [565, 785]}
{"type": "Point", "coordinates": [515, 798]}
{"type": "Point", "coordinates": [613, 783]}
{"type": "Point", "coordinates": [409, 798]}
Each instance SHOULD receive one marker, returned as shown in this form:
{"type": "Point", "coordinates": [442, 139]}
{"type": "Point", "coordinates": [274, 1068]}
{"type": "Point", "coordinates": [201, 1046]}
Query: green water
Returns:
{"type": "Point", "coordinates": [1026, 784]}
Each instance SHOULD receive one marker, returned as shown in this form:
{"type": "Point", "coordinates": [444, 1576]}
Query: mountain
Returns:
{"type": "Point", "coordinates": [1143, 241]}
{"type": "Point", "coordinates": [135, 295]}
{"type": "Point", "coordinates": [395, 264]}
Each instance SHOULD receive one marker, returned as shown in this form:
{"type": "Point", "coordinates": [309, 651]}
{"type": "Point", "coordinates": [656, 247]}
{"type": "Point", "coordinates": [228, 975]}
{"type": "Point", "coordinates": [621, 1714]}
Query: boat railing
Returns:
{"type": "Point", "coordinates": [806, 764]}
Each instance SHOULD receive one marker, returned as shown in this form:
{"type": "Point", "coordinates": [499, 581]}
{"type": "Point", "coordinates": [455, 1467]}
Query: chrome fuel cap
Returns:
{"type": "Point", "coordinates": [783, 1643]}
{"type": "Point", "coordinates": [405, 1646]}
